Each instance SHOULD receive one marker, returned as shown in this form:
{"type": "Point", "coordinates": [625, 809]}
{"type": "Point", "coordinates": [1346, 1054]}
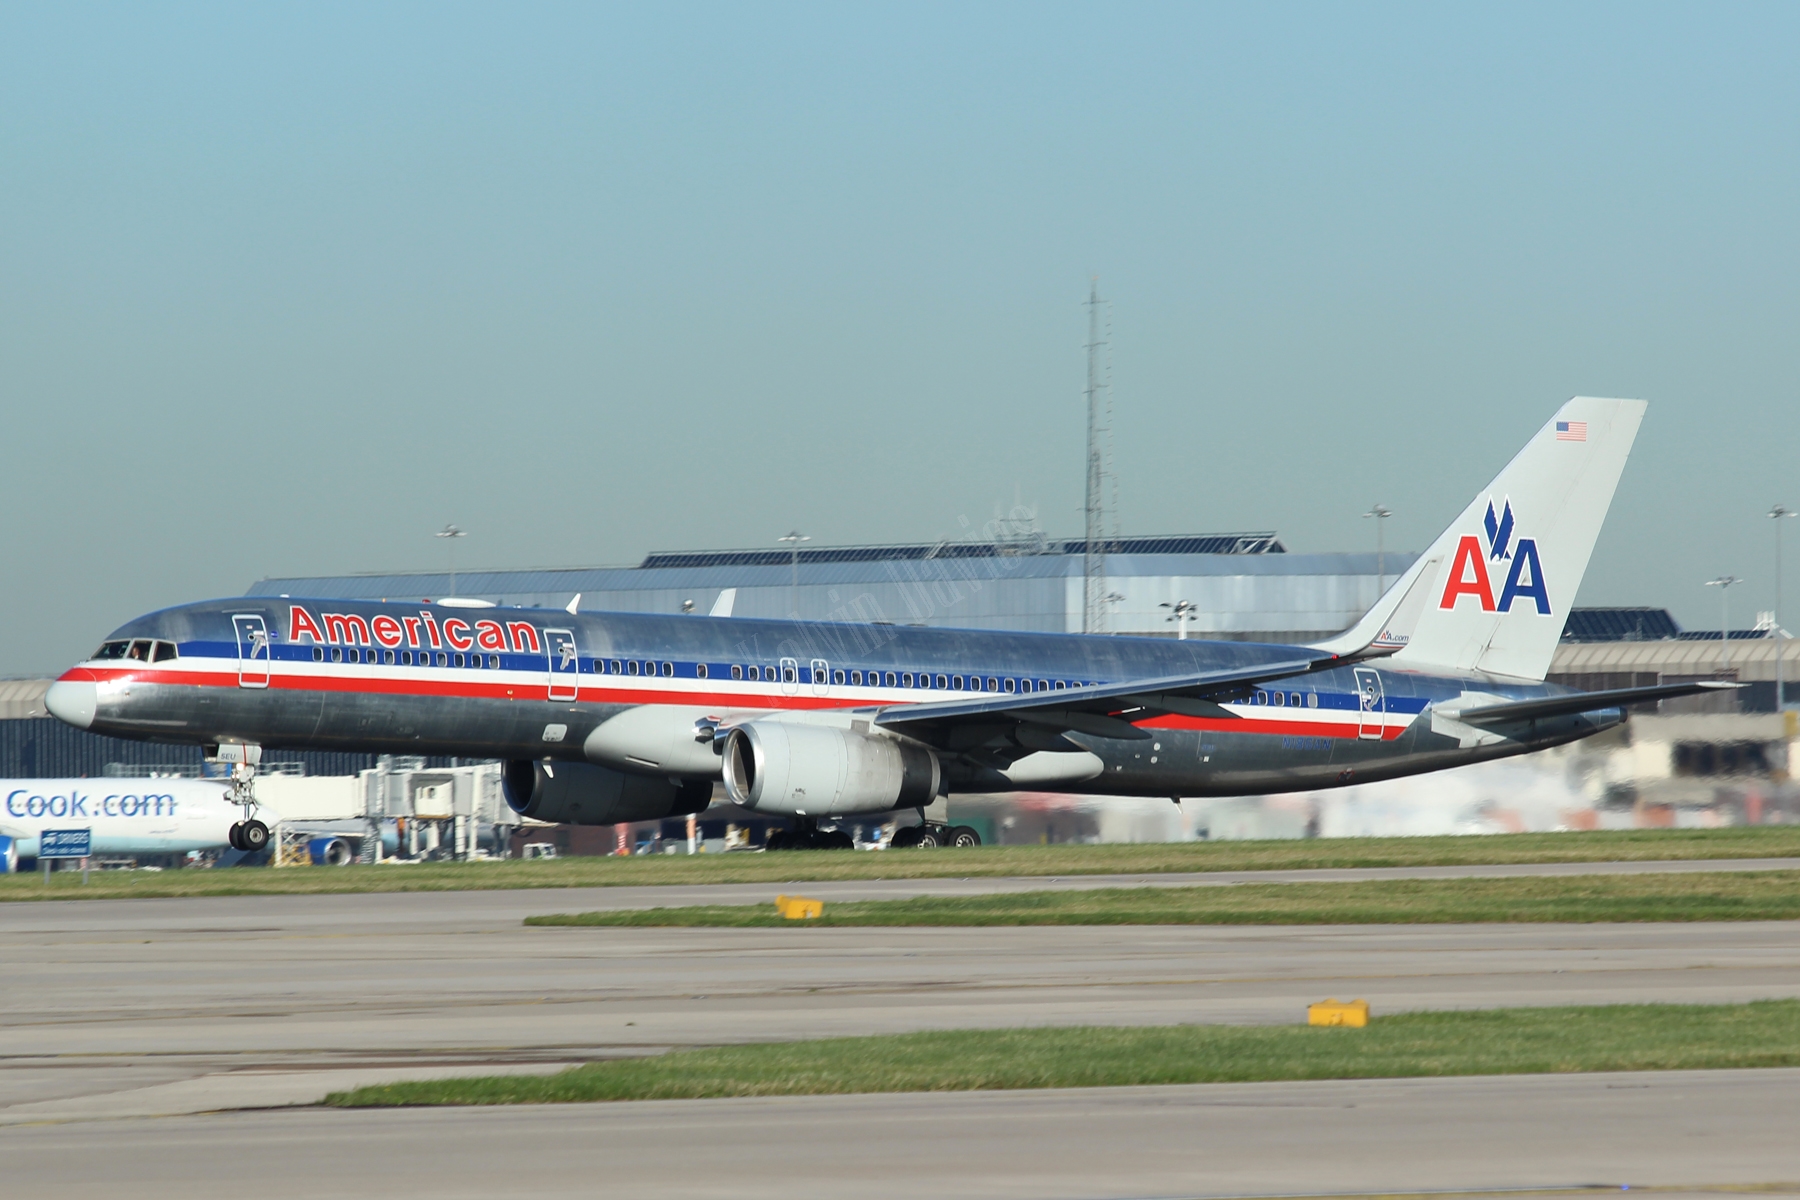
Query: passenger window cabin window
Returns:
{"type": "Point", "coordinates": [893, 680]}
{"type": "Point", "coordinates": [837, 677]}
{"type": "Point", "coordinates": [942, 683]}
{"type": "Point", "coordinates": [387, 657]}
{"type": "Point", "coordinates": [906, 679]}
{"type": "Point", "coordinates": [787, 675]}
{"type": "Point", "coordinates": [337, 654]}
{"type": "Point", "coordinates": [699, 670]}
{"type": "Point", "coordinates": [443, 659]}
{"type": "Point", "coordinates": [856, 678]}
{"type": "Point", "coordinates": [493, 662]}
{"type": "Point", "coordinates": [1262, 698]}
{"type": "Point", "coordinates": [1043, 685]}
{"type": "Point", "coordinates": [668, 670]}
{"type": "Point", "coordinates": [1293, 699]}
{"type": "Point", "coordinates": [633, 666]}
{"type": "Point", "coordinates": [1280, 699]}
{"type": "Point", "coordinates": [457, 660]}
{"type": "Point", "coordinates": [1062, 685]}
{"type": "Point", "coordinates": [1010, 684]}
{"type": "Point", "coordinates": [318, 654]}
{"type": "Point", "coordinates": [614, 667]}
{"type": "Point", "coordinates": [993, 685]}
{"type": "Point", "coordinates": [737, 672]}
{"type": "Point", "coordinates": [956, 683]}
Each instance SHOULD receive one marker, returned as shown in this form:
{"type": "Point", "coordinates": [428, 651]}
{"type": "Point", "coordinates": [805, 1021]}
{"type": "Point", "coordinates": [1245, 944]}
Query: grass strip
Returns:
{"type": "Point", "coordinates": [1642, 845]}
{"type": "Point", "coordinates": [1506, 1041]}
{"type": "Point", "coordinates": [1701, 896]}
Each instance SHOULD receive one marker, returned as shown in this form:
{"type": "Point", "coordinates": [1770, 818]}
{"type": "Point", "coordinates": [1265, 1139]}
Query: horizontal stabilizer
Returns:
{"type": "Point", "coordinates": [1580, 702]}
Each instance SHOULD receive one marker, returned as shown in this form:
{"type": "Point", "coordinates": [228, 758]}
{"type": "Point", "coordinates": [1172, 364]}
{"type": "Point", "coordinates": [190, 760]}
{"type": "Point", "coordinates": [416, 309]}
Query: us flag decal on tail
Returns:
{"type": "Point", "coordinates": [1571, 431]}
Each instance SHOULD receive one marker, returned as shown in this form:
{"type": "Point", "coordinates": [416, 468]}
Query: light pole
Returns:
{"type": "Point", "coordinates": [1724, 583]}
{"type": "Point", "coordinates": [451, 532]}
{"type": "Point", "coordinates": [794, 537]}
{"type": "Point", "coordinates": [1381, 513]}
{"type": "Point", "coordinates": [1180, 616]}
{"type": "Point", "coordinates": [1775, 514]}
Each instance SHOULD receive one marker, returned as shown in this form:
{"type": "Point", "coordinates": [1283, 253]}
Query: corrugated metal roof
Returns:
{"type": "Point", "coordinates": [506, 586]}
{"type": "Point", "coordinates": [21, 698]}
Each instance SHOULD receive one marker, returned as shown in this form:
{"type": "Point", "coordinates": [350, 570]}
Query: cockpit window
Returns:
{"type": "Point", "coordinates": [111, 650]}
{"type": "Point", "coordinates": [140, 650]}
{"type": "Point", "coordinates": [164, 652]}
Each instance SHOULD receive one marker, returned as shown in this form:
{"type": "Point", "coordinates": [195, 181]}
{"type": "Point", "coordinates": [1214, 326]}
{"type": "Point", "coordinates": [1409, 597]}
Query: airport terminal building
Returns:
{"type": "Point", "coordinates": [1238, 586]}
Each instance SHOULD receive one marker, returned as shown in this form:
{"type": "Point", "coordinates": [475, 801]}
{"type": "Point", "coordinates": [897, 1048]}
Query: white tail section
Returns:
{"type": "Point", "coordinates": [1493, 591]}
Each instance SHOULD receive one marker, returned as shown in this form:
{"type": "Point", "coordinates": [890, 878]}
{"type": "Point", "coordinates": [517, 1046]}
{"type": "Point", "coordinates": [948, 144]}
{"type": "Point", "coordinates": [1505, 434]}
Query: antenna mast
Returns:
{"type": "Point", "coordinates": [1094, 594]}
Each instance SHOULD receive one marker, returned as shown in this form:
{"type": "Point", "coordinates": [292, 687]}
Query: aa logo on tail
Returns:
{"type": "Point", "coordinates": [1469, 571]}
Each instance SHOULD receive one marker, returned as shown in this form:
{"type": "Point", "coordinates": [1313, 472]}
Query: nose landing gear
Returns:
{"type": "Point", "coordinates": [249, 835]}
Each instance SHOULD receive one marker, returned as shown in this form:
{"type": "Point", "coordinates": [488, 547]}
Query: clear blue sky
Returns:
{"type": "Point", "coordinates": [285, 289]}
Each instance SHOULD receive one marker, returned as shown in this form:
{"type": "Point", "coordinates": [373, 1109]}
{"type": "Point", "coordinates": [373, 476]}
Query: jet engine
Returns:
{"type": "Point", "coordinates": [787, 767]}
{"type": "Point", "coordinates": [566, 793]}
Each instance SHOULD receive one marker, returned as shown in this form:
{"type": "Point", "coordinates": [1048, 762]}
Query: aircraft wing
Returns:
{"type": "Point", "coordinates": [1104, 710]}
{"type": "Point", "coordinates": [1560, 706]}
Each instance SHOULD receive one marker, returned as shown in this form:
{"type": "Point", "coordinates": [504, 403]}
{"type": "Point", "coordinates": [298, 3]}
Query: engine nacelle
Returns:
{"type": "Point", "coordinates": [330, 852]}
{"type": "Point", "coordinates": [9, 856]}
{"type": "Point", "coordinates": [792, 768]}
{"type": "Point", "coordinates": [566, 793]}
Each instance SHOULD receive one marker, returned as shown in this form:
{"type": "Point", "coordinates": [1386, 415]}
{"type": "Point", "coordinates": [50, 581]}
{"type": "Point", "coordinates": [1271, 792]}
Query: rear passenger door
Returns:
{"type": "Point", "coordinates": [564, 663]}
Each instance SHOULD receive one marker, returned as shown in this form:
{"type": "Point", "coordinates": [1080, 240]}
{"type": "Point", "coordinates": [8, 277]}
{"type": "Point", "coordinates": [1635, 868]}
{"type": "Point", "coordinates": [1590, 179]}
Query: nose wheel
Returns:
{"type": "Point", "coordinates": [249, 835]}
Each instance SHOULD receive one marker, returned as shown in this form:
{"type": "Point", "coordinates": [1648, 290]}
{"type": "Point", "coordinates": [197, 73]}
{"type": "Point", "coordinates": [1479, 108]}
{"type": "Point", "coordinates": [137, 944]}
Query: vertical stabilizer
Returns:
{"type": "Point", "coordinates": [1493, 591]}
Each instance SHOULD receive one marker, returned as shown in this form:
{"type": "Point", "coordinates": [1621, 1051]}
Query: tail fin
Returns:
{"type": "Point", "coordinates": [1493, 591]}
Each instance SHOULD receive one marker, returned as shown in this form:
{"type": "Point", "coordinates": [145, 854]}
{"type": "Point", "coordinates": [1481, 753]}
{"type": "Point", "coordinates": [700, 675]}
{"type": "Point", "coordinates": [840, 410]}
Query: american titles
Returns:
{"type": "Point", "coordinates": [424, 631]}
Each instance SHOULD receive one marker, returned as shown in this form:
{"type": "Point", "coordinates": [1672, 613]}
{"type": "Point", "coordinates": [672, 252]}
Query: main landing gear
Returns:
{"type": "Point", "coordinates": [249, 835]}
{"type": "Point", "coordinates": [927, 835]}
{"type": "Point", "coordinates": [805, 834]}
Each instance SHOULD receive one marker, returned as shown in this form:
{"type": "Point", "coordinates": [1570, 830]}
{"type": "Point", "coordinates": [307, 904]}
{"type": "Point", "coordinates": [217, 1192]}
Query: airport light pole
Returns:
{"type": "Point", "coordinates": [1183, 609]}
{"type": "Point", "coordinates": [794, 537]}
{"type": "Point", "coordinates": [1381, 513]}
{"type": "Point", "coordinates": [451, 532]}
{"type": "Point", "coordinates": [1724, 584]}
{"type": "Point", "coordinates": [1776, 514]}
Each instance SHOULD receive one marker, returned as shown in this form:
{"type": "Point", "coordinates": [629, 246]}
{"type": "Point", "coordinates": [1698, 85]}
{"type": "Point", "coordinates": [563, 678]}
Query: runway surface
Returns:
{"type": "Point", "coordinates": [1708, 1133]}
{"type": "Point", "coordinates": [119, 1011]}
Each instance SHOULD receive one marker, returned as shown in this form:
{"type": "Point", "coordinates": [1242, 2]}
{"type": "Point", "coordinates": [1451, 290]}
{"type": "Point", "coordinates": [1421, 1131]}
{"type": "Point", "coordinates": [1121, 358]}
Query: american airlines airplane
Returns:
{"type": "Point", "coordinates": [611, 717]}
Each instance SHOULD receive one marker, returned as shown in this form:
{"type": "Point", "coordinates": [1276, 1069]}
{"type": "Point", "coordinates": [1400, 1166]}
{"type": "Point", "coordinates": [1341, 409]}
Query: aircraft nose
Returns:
{"type": "Point", "coordinates": [73, 701]}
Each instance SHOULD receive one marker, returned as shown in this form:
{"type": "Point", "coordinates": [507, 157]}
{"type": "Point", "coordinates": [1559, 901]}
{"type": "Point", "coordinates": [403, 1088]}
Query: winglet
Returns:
{"type": "Point", "coordinates": [723, 605]}
{"type": "Point", "coordinates": [574, 604]}
{"type": "Point", "coordinates": [1388, 627]}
